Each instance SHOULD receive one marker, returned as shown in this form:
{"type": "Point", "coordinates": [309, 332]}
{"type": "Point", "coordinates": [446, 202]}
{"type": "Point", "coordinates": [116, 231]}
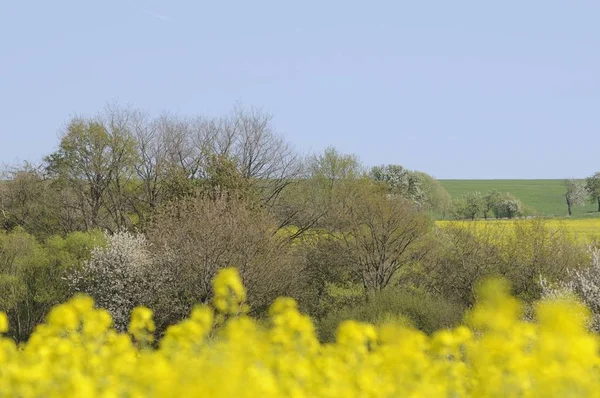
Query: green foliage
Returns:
{"type": "Point", "coordinates": [95, 159]}
{"type": "Point", "coordinates": [331, 166]}
{"type": "Point", "coordinates": [415, 307]}
{"type": "Point", "coordinates": [520, 253]}
{"type": "Point", "coordinates": [437, 199]}
{"type": "Point", "coordinates": [74, 248]}
{"type": "Point", "coordinates": [490, 202]}
{"type": "Point", "coordinates": [469, 206]}
{"type": "Point", "coordinates": [507, 206]}
{"type": "Point", "coordinates": [32, 274]}
{"type": "Point", "coordinates": [29, 201]}
{"type": "Point", "coordinates": [592, 187]}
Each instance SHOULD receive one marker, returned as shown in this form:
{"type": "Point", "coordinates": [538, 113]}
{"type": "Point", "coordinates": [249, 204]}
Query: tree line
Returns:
{"type": "Point", "coordinates": [136, 210]}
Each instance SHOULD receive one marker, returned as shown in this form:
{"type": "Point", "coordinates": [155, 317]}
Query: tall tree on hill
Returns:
{"type": "Point", "coordinates": [592, 186]}
{"type": "Point", "coordinates": [575, 195]}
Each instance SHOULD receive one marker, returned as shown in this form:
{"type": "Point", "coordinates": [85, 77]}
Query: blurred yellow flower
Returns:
{"type": "Point", "coordinates": [77, 352]}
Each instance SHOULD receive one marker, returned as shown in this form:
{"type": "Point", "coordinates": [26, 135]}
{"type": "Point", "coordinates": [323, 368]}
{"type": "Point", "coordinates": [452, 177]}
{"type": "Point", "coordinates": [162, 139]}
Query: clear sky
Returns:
{"type": "Point", "coordinates": [477, 89]}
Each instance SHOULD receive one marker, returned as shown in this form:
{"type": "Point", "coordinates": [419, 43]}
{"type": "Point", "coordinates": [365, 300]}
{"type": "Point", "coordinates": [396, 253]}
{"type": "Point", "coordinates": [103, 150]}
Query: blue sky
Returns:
{"type": "Point", "coordinates": [458, 89]}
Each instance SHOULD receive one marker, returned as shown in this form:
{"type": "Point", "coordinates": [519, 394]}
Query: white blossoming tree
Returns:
{"type": "Point", "coordinates": [116, 276]}
{"type": "Point", "coordinates": [583, 284]}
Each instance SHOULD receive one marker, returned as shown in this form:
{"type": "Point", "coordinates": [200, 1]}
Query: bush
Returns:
{"type": "Point", "coordinates": [414, 307]}
{"type": "Point", "coordinates": [118, 276]}
{"type": "Point", "coordinates": [508, 206]}
{"type": "Point", "coordinates": [583, 283]}
{"type": "Point", "coordinates": [32, 274]}
{"type": "Point", "coordinates": [193, 238]}
{"type": "Point", "coordinates": [519, 251]}
{"type": "Point", "coordinates": [464, 254]}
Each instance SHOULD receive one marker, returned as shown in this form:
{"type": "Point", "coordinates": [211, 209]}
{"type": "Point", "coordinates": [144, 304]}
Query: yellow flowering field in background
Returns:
{"type": "Point", "coordinates": [583, 229]}
{"type": "Point", "coordinates": [221, 352]}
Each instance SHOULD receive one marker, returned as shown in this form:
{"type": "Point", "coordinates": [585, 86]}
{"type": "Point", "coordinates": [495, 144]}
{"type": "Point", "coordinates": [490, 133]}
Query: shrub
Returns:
{"type": "Point", "coordinates": [117, 276]}
{"type": "Point", "coordinates": [32, 274]}
{"type": "Point", "coordinates": [519, 251]}
{"type": "Point", "coordinates": [195, 237]}
{"type": "Point", "coordinates": [583, 283]}
{"type": "Point", "coordinates": [414, 307]}
{"type": "Point", "coordinates": [507, 206]}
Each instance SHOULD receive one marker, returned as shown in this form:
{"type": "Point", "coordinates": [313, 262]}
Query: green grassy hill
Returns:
{"type": "Point", "coordinates": [542, 197]}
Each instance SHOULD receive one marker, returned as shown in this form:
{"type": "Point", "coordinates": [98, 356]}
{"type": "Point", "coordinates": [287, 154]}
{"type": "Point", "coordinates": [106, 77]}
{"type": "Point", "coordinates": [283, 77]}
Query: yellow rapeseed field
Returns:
{"type": "Point", "coordinates": [221, 352]}
{"type": "Point", "coordinates": [584, 229]}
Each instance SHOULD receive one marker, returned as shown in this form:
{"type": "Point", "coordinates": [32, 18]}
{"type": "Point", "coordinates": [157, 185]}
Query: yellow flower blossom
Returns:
{"type": "Point", "coordinates": [3, 322]}
{"type": "Point", "coordinates": [77, 352]}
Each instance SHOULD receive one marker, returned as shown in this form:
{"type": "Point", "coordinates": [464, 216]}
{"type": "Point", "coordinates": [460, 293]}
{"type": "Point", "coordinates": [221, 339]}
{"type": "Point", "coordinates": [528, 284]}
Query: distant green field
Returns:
{"type": "Point", "coordinates": [541, 197]}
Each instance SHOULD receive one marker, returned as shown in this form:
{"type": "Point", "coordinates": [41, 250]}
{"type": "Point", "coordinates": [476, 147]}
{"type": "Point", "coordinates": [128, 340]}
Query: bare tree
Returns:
{"type": "Point", "coordinates": [197, 236]}
{"type": "Point", "coordinates": [121, 122]}
{"type": "Point", "coordinates": [261, 153]}
{"type": "Point", "coordinates": [381, 233]}
{"type": "Point", "coordinates": [121, 163]}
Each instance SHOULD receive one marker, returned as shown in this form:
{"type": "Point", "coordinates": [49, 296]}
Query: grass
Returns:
{"type": "Point", "coordinates": [541, 197]}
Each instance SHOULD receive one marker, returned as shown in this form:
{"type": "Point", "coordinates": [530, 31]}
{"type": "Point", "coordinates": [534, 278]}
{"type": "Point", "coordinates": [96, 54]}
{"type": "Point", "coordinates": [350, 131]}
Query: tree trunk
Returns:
{"type": "Point", "coordinates": [568, 205]}
{"type": "Point", "coordinates": [598, 203]}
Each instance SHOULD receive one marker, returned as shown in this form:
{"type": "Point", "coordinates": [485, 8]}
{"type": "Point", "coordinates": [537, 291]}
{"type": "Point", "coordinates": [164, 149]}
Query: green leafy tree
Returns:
{"type": "Point", "coordinates": [469, 206]}
{"type": "Point", "coordinates": [437, 198]}
{"type": "Point", "coordinates": [592, 187]}
{"type": "Point", "coordinates": [28, 200]}
{"type": "Point", "coordinates": [490, 202]}
{"type": "Point", "coordinates": [32, 275]}
{"type": "Point", "coordinates": [95, 161]}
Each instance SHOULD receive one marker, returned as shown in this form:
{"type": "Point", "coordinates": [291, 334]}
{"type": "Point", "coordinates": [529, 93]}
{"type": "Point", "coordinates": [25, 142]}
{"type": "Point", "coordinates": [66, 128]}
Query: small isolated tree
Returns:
{"type": "Point", "coordinates": [592, 187]}
{"type": "Point", "coordinates": [575, 195]}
